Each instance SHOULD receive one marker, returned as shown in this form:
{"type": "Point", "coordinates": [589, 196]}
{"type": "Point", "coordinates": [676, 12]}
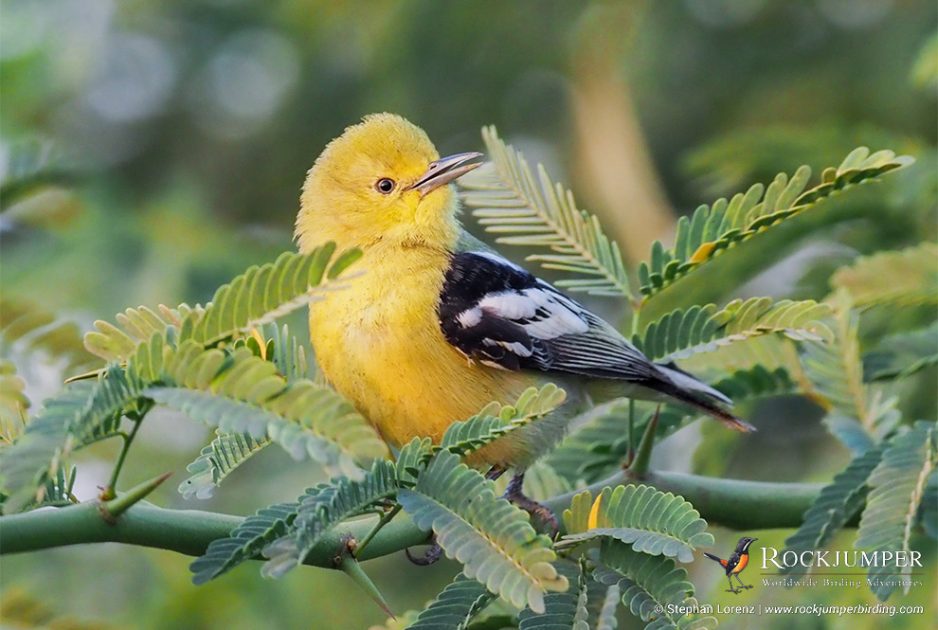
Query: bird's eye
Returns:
{"type": "Point", "coordinates": [384, 185]}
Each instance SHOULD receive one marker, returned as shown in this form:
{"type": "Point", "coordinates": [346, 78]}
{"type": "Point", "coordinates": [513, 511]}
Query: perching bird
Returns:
{"type": "Point", "coordinates": [433, 326]}
{"type": "Point", "coordinates": [735, 564]}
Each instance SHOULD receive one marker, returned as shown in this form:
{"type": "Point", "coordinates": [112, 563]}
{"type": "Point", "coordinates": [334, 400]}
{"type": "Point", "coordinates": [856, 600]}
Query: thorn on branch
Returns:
{"type": "Point", "coordinates": [113, 508]}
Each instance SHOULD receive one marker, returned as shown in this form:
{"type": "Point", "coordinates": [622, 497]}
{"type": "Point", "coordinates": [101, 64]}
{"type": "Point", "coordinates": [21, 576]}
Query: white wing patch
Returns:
{"type": "Point", "coordinates": [544, 314]}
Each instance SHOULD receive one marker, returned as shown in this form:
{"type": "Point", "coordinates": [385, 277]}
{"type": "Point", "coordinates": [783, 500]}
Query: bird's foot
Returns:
{"type": "Point", "coordinates": [433, 553]}
{"type": "Point", "coordinates": [540, 514]}
{"type": "Point", "coordinates": [734, 591]}
{"type": "Point", "coordinates": [747, 585]}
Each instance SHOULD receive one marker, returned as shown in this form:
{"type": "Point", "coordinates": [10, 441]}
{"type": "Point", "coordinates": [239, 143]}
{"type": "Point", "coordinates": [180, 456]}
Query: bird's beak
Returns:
{"type": "Point", "coordinates": [445, 170]}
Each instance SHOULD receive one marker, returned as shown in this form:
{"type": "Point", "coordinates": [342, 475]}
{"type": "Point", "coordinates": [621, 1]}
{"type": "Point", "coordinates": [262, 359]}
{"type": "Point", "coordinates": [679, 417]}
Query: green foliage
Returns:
{"type": "Point", "coordinates": [903, 278]}
{"type": "Point", "coordinates": [683, 333]}
{"type": "Point", "coordinates": [26, 328]}
{"type": "Point", "coordinates": [13, 402]}
{"type": "Point", "coordinates": [497, 420]}
{"type": "Point", "coordinates": [454, 607]}
{"type": "Point", "coordinates": [897, 485]}
{"type": "Point", "coordinates": [653, 522]}
{"type": "Point", "coordinates": [262, 294]}
{"type": "Point", "coordinates": [244, 393]}
{"type": "Point", "coordinates": [326, 507]}
{"type": "Point", "coordinates": [836, 505]}
{"type": "Point", "coordinates": [492, 539]}
{"type": "Point", "coordinates": [135, 326]}
{"type": "Point", "coordinates": [28, 167]}
{"type": "Point", "coordinates": [902, 354]}
{"type": "Point", "coordinates": [245, 541]}
{"type": "Point", "coordinates": [649, 586]}
{"type": "Point", "coordinates": [218, 460]}
{"type": "Point", "coordinates": [714, 229]}
{"type": "Point", "coordinates": [567, 610]}
{"type": "Point", "coordinates": [536, 212]}
{"type": "Point", "coordinates": [857, 415]}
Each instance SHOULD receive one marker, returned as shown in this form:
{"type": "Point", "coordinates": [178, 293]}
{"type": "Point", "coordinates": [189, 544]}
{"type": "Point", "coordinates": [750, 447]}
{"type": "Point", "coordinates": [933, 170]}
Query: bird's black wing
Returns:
{"type": "Point", "coordinates": [499, 314]}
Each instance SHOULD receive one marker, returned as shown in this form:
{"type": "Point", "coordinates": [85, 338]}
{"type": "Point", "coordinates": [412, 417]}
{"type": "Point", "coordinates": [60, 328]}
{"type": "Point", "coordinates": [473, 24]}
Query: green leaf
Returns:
{"type": "Point", "coordinates": [324, 507]}
{"type": "Point", "coordinates": [901, 278]}
{"type": "Point", "coordinates": [13, 403]}
{"type": "Point", "coordinates": [84, 413]}
{"type": "Point", "coordinates": [244, 542]}
{"type": "Point", "coordinates": [897, 485]}
{"type": "Point", "coordinates": [712, 230]}
{"type": "Point", "coordinates": [454, 607]}
{"type": "Point", "coordinates": [242, 393]}
{"type": "Point", "coordinates": [135, 326]}
{"type": "Point", "coordinates": [28, 167]}
{"type": "Point", "coordinates": [218, 460]}
{"type": "Point", "coordinates": [903, 354]}
{"type": "Point", "coordinates": [683, 333]}
{"type": "Point", "coordinates": [653, 522]}
{"type": "Point", "coordinates": [265, 293]}
{"type": "Point", "coordinates": [509, 201]}
{"type": "Point", "coordinates": [650, 586]}
{"type": "Point", "coordinates": [856, 415]}
{"type": "Point", "coordinates": [837, 503]}
{"type": "Point", "coordinates": [566, 610]}
{"type": "Point", "coordinates": [26, 329]}
{"type": "Point", "coordinates": [493, 539]}
{"type": "Point", "coordinates": [497, 420]}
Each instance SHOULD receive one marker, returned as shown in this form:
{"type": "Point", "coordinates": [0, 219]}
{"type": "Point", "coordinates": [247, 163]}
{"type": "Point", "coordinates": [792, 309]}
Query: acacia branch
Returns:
{"type": "Point", "coordinates": [744, 505]}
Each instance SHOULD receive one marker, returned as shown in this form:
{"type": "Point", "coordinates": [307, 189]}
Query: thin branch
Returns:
{"type": "Point", "coordinates": [744, 505]}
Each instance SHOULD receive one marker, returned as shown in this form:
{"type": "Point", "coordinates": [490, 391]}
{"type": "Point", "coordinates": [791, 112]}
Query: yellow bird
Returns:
{"type": "Point", "coordinates": [434, 325]}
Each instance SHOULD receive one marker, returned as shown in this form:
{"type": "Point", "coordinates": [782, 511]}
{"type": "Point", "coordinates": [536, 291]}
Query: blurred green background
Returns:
{"type": "Point", "coordinates": [186, 129]}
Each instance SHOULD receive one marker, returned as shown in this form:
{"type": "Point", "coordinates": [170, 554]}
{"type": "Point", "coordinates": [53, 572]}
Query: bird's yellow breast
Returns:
{"type": "Point", "coordinates": [378, 341]}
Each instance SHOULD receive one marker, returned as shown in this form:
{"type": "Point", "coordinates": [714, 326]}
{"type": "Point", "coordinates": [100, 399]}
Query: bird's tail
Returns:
{"type": "Point", "coordinates": [697, 394]}
{"type": "Point", "coordinates": [713, 557]}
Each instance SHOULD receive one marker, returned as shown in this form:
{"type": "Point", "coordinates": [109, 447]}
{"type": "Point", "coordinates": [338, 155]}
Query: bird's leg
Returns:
{"type": "Point", "coordinates": [495, 472]}
{"type": "Point", "coordinates": [731, 589]}
{"type": "Point", "coordinates": [738, 579]}
{"type": "Point", "coordinates": [430, 556]}
{"type": "Point", "coordinates": [434, 552]}
{"type": "Point", "coordinates": [537, 511]}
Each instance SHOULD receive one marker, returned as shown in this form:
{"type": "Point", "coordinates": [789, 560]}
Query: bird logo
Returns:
{"type": "Point", "coordinates": [735, 564]}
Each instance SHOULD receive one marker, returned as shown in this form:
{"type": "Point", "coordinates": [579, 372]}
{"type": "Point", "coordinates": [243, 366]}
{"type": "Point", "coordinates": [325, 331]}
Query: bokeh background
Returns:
{"type": "Point", "coordinates": [183, 131]}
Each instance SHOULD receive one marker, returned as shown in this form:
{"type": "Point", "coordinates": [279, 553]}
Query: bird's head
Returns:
{"type": "Point", "coordinates": [744, 543]}
{"type": "Point", "coordinates": [382, 180]}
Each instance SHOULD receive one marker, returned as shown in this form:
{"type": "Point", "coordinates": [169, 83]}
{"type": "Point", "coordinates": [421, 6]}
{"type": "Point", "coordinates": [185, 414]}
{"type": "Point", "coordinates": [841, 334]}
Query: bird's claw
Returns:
{"type": "Point", "coordinates": [540, 514]}
{"type": "Point", "coordinates": [430, 556]}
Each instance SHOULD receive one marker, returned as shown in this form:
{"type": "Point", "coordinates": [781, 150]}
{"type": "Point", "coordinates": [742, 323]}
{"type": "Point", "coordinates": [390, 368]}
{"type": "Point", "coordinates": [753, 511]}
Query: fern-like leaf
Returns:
{"type": "Point", "coordinates": [13, 403]}
{"type": "Point", "coordinates": [897, 485]}
{"type": "Point", "coordinates": [902, 278]}
{"type": "Point", "coordinates": [497, 420]}
{"type": "Point", "coordinates": [714, 229]}
{"type": "Point", "coordinates": [837, 503]}
{"type": "Point", "coordinates": [653, 522]}
{"type": "Point", "coordinates": [135, 326]}
{"type": "Point", "coordinates": [320, 511]}
{"type": "Point", "coordinates": [217, 460]}
{"type": "Point", "coordinates": [244, 542]}
{"type": "Point", "coordinates": [262, 294]}
{"type": "Point", "coordinates": [242, 393]}
{"type": "Point", "coordinates": [651, 586]}
{"type": "Point", "coordinates": [454, 607]}
{"type": "Point", "coordinates": [855, 415]}
{"type": "Point", "coordinates": [493, 539]}
{"type": "Point", "coordinates": [26, 328]}
{"type": "Point", "coordinates": [683, 333]}
{"type": "Point", "coordinates": [903, 354]}
{"type": "Point", "coordinates": [534, 211]}
{"type": "Point", "coordinates": [568, 610]}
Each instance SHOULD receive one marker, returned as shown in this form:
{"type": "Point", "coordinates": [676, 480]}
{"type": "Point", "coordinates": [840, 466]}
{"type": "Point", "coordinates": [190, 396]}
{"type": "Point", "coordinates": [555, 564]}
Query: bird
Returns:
{"type": "Point", "coordinates": [433, 325]}
{"type": "Point", "coordinates": [736, 563]}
